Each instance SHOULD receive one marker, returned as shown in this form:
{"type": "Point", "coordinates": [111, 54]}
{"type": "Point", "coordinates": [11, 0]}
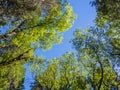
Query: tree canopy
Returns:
{"type": "Point", "coordinates": [31, 24]}
{"type": "Point", "coordinates": [39, 31]}
{"type": "Point", "coordinates": [92, 68]}
{"type": "Point", "coordinates": [97, 56]}
{"type": "Point", "coordinates": [61, 73]}
{"type": "Point", "coordinates": [108, 20]}
{"type": "Point", "coordinates": [94, 54]}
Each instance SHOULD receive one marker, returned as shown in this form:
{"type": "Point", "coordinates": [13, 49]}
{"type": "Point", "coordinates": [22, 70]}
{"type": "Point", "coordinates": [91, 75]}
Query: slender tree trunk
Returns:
{"type": "Point", "coordinates": [101, 79]}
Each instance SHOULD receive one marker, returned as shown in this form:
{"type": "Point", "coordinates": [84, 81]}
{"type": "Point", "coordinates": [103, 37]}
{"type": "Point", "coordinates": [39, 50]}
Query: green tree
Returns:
{"type": "Point", "coordinates": [42, 33]}
{"type": "Point", "coordinates": [92, 68]}
{"type": "Point", "coordinates": [58, 74]}
{"type": "Point", "coordinates": [93, 47]}
{"type": "Point", "coordinates": [11, 76]}
{"type": "Point", "coordinates": [22, 9]}
{"type": "Point", "coordinates": [108, 18]}
{"type": "Point", "coordinates": [29, 30]}
{"type": "Point", "coordinates": [96, 49]}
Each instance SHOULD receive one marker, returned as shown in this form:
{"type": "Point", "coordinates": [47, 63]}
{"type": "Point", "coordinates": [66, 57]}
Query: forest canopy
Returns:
{"type": "Point", "coordinates": [32, 29]}
{"type": "Point", "coordinates": [26, 25]}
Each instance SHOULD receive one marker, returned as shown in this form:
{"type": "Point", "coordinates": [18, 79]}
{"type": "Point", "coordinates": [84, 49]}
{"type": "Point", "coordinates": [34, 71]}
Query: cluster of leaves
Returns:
{"type": "Point", "coordinates": [108, 18]}
{"type": "Point", "coordinates": [94, 51]}
{"type": "Point", "coordinates": [58, 74]}
{"type": "Point", "coordinates": [23, 8]}
{"type": "Point", "coordinates": [11, 76]}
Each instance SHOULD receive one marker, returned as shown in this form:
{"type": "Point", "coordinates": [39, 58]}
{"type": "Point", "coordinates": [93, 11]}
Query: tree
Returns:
{"type": "Point", "coordinates": [60, 73]}
{"type": "Point", "coordinates": [108, 18]}
{"type": "Point", "coordinates": [93, 49]}
{"type": "Point", "coordinates": [96, 49]}
{"type": "Point", "coordinates": [92, 68]}
{"type": "Point", "coordinates": [11, 76]}
{"type": "Point", "coordinates": [31, 27]}
{"type": "Point", "coordinates": [36, 32]}
{"type": "Point", "coordinates": [21, 9]}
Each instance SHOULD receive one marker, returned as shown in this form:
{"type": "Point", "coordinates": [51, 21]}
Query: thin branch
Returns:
{"type": "Point", "coordinates": [9, 45]}
{"type": "Point", "coordinates": [14, 31]}
{"type": "Point", "coordinates": [18, 58]}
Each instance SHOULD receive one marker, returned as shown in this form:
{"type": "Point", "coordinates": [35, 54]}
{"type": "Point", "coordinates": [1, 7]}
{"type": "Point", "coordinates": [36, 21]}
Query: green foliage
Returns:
{"type": "Point", "coordinates": [67, 72]}
{"type": "Point", "coordinates": [110, 8]}
{"type": "Point", "coordinates": [11, 76]}
{"type": "Point", "coordinates": [59, 73]}
{"type": "Point", "coordinates": [22, 9]}
{"type": "Point", "coordinates": [97, 50]}
{"type": "Point", "coordinates": [38, 33]}
{"type": "Point", "coordinates": [108, 18]}
{"type": "Point", "coordinates": [35, 26]}
{"type": "Point", "coordinates": [38, 24]}
{"type": "Point", "coordinates": [30, 33]}
{"type": "Point", "coordinates": [92, 49]}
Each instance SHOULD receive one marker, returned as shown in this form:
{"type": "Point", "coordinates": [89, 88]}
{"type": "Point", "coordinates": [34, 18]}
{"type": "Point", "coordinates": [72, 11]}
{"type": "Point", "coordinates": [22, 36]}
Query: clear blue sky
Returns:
{"type": "Point", "coordinates": [85, 16]}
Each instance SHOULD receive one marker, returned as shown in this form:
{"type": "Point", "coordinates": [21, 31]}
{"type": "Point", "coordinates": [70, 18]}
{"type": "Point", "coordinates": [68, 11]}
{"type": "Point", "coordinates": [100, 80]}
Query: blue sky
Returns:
{"type": "Point", "coordinates": [85, 16]}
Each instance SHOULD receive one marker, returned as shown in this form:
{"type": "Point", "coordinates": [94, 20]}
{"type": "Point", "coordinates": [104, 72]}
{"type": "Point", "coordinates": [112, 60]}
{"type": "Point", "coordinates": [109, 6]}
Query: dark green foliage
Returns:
{"type": "Point", "coordinates": [94, 54]}
{"type": "Point", "coordinates": [108, 20]}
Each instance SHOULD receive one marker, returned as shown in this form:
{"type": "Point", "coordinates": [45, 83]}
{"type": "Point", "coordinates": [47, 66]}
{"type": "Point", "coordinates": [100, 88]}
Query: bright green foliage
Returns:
{"type": "Point", "coordinates": [67, 73]}
{"type": "Point", "coordinates": [50, 77]}
{"type": "Point", "coordinates": [59, 73]}
{"type": "Point", "coordinates": [71, 76]}
{"type": "Point", "coordinates": [38, 33]}
{"type": "Point", "coordinates": [11, 76]}
{"type": "Point", "coordinates": [109, 77]}
{"type": "Point", "coordinates": [30, 33]}
{"type": "Point", "coordinates": [38, 25]}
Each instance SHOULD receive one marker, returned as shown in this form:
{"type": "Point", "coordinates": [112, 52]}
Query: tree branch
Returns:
{"type": "Point", "coordinates": [18, 58]}
{"type": "Point", "coordinates": [9, 45]}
